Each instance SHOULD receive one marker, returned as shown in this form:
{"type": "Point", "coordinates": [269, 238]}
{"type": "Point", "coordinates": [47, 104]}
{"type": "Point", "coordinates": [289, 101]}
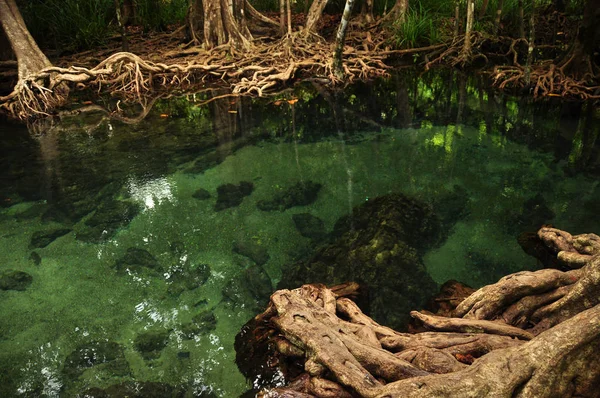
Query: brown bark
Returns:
{"type": "Point", "coordinates": [498, 18]}
{"type": "Point", "coordinates": [340, 38]}
{"type": "Point", "coordinates": [346, 352]}
{"type": "Point", "coordinates": [466, 50]}
{"type": "Point", "coordinates": [398, 12]}
{"type": "Point", "coordinates": [314, 15]}
{"type": "Point", "coordinates": [224, 23]}
{"type": "Point", "coordinates": [578, 61]}
{"type": "Point", "coordinates": [30, 58]}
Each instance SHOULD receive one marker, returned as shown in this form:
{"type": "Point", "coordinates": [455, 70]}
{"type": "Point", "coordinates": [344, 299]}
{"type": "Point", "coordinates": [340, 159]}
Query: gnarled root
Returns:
{"type": "Point", "coordinates": [533, 334]}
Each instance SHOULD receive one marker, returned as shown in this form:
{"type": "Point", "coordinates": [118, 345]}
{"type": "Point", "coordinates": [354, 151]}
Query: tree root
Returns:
{"type": "Point", "coordinates": [530, 334]}
{"type": "Point", "coordinates": [267, 67]}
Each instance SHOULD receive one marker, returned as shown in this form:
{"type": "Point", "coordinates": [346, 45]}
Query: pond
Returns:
{"type": "Point", "coordinates": [137, 251]}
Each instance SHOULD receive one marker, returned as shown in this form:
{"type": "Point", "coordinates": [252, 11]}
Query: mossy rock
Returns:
{"type": "Point", "coordinates": [202, 323]}
{"type": "Point", "coordinates": [299, 194]}
{"type": "Point", "coordinates": [41, 239]}
{"type": "Point", "coordinates": [230, 195]}
{"type": "Point", "coordinates": [135, 260]}
{"type": "Point", "coordinates": [187, 277]}
{"type": "Point", "coordinates": [96, 353]}
{"type": "Point", "coordinates": [15, 280]}
{"type": "Point", "coordinates": [151, 343]}
{"type": "Point", "coordinates": [379, 246]}
{"type": "Point", "coordinates": [252, 250]}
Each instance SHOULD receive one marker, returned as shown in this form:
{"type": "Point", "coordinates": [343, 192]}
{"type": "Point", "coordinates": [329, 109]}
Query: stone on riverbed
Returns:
{"type": "Point", "coordinates": [14, 280]}
{"type": "Point", "coordinates": [300, 194]}
{"type": "Point", "coordinates": [41, 239]}
{"type": "Point", "coordinates": [230, 195]}
{"type": "Point", "coordinates": [136, 259]}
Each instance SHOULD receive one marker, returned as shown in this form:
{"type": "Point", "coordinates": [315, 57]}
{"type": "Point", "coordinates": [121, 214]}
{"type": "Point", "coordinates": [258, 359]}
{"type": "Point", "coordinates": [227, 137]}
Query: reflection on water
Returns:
{"type": "Point", "coordinates": [134, 253]}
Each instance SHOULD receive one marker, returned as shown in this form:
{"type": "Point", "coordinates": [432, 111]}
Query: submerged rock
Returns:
{"type": "Point", "coordinates": [251, 288]}
{"type": "Point", "coordinates": [201, 194]}
{"type": "Point", "coordinates": [309, 226]}
{"type": "Point", "coordinates": [35, 258]}
{"type": "Point", "coordinates": [41, 239]}
{"type": "Point", "coordinates": [107, 353]}
{"type": "Point", "coordinates": [151, 343]}
{"type": "Point", "coordinates": [108, 218]}
{"type": "Point", "coordinates": [135, 259]}
{"type": "Point", "coordinates": [230, 195]}
{"type": "Point", "coordinates": [14, 280]}
{"type": "Point", "coordinates": [253, 250]}
{"type": "Point", "coordinates": [258, 282]}
{"type": "Point", "coordinates": [187, 277]}
{"type": "Point", "coordinates": [534, 214]}
{"type": "Point", "coordinates": [136, 389]}
{"type": "Point", "coordinates": [201, 323]}
{"type": "Point", "coordinates": [300, 194]}
{"type": "Point", "coordinates": [379, 246]}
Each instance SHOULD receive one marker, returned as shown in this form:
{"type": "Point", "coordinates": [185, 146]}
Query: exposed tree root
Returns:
{"type": "Point", "coordinates": [533, 334]}
{"type": "Point", "coordinates": [266, 67]}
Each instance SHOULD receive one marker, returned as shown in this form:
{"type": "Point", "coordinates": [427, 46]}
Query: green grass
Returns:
{"type": "Point", "coordinates": [420, 28]}
{"type": "Point", "coordinates": [77, 24]}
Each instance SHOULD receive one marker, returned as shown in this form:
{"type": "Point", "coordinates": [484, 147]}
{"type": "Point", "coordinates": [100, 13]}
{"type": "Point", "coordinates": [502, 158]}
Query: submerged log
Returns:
{"type": "Point", "coordinates": [533, 334]}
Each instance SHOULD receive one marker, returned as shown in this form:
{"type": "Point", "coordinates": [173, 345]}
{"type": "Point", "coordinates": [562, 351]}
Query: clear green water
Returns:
{"type": "Point", "coordinates": [423, 138]}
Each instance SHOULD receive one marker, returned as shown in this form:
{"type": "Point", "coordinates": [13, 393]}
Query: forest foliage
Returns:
{"type": "Point", "coordinates": [78, 25]}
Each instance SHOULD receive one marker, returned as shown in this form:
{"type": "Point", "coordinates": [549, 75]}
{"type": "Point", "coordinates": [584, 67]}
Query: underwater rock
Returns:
{"type": "Point", "coordinates": [258, 282]}
{"type": "Point", "coordinates": [452, 206]}
{"type": "Point", "coordinates": [309, 226]}
{"type": "Point", "coordinates": [201, 323]}
{"type": "Point", "coordinates": [253, 250]}
{"type": "Point", "coordinates": [534, 214]}
{"type": "Point", "coordinates": [107, 353]}
{"type": "Point", "coordinates": [205, 162]}
{"type": "Point", "coordinates": [41, 239]}
{"type": "Point", "coordinates": [230, 195]}
{"type": "Point", "coordinates": [177, 247]}
{"type": "Point", "coordinates": [378, 246]}
{"type": "Point", "coordinates": [201, 194]}
{"type": "Point", "coordinates": [32, 212]}
{"type": "Point", "coordinates": [35, 258]}
{"type": "Point", "coordinates": [108, 218]}
{"type": "Point", "coordinates": [251, 288]}
{"type": "Point", "coordinates": [151, 343]}
{"type": "Point", "coordinates": [135, 259]}
{"type": "Point", "coordinates": [187, 277]}
{"type": "Point", "coordinates": [14, 280]}
{"type": "Point", "coordinates": [300, 194]}
{"type": "Point", "coordinates": [136, 389]}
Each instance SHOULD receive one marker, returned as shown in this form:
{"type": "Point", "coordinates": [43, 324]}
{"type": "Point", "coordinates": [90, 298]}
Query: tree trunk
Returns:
{"type": "Point", "coordinates": [119, 8]}
{"type": "Point", "coordinates": [224, 23]}
{"type": "Point", "coordinates": [368, 11]}
{"type": "Point", "coordinates": [522, 20]}
{"type": "Point", "coordinates": [483, 9]}
{"type": "Point", "coordinates": [456, 19]}
{"type": "Point", "coordinates": [466, 51]}
{"type": "Point", "coordinates": [398, 11]}
{"type": "Point", "coordinates": [282, 17]}
{"type": "Point", "coordinates": [313, 17]}
{"type": "Point", "coordinates": [30, 58]}
{"type": "Point", "coordinates": [530, 47]}
{"type": "Point", "coordinates": [340, 38]}
{"type": "Point", "coordinates": [579, 60]}
{"type": "Point", "coordinates": [498, 16]}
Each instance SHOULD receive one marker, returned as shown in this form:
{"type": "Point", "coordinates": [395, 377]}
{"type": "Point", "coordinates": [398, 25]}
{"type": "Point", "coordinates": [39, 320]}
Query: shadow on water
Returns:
{"type": "Point", "coordinates": [132, 253]}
